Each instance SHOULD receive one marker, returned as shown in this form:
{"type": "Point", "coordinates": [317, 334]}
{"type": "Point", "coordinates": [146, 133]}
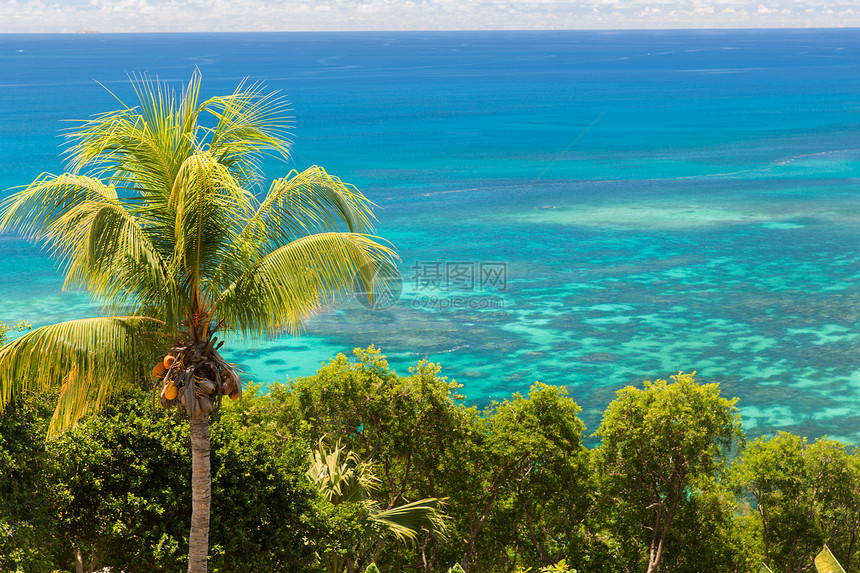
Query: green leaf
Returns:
{"type": "Point", "coordinates": [825, 562]}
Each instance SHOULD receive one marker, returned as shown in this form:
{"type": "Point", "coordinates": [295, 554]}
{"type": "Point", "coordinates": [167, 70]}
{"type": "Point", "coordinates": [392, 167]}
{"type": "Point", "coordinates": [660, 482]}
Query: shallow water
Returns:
{"type": "Point", "coordinates": [582, 208]}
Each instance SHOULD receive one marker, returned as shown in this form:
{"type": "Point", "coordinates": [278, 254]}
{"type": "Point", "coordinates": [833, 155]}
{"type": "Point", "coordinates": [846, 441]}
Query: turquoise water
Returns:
{"type": "Point", "coordinates": [588, 209]}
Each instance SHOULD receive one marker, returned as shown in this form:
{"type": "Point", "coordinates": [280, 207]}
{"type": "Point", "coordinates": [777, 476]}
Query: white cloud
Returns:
{"type": "Point", "coordinates": [250, 15]}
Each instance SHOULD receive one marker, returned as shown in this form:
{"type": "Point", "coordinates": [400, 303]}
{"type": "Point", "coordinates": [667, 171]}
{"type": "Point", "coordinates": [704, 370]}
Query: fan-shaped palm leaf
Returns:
{"type": "Point", "coordinates": [405, 522]}
{"type": "Point", "coordinates": [339, 475]}
{"type": "Point", "coordinates": [342, 477]}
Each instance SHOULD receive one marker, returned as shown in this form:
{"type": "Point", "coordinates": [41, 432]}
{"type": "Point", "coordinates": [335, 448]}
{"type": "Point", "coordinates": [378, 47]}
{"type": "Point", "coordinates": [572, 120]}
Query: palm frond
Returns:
{"type": "Point", "coordinates": [339, 475]}
{"type": "Point", "coordinates": [89, 360]}
{"type": "Point", "coordinates": [102, 245]}
{"type": "Point", "coordinates": [121, 148]}
{"type": "Point", "coordinates": [342, 477]}
{"type": "Point", "coordinates": [95, 144]}
{"type": "Point", "coordinates": [309, 202]}
{"type": "Point", "coordinates": [33, 210]}
{"type": "Point", "coordinates": [290, 284]}
{"type": "Point", "coordinates": [206, 202]}
{"type": "Point", "coordinates": [298, 205]}
{"type": "Point", "coordinates": [406, 522]}
{"type": "Point", "coordinates": [251, 122]}
{"type": "Point", "coordinates": [189, 109]}
{"type": "Point", "coordinates": [139, 148]}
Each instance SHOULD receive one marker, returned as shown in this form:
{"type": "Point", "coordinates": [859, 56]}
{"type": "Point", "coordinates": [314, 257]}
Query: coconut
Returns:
{"type": "Point", "coordinates": [168, 361]}
{"type": "Point", "coordinates": [206, 385]}
{"type": "Point", "coordinates": [170, 391]}
{"type": "Point", "coordinates": [159, 370]}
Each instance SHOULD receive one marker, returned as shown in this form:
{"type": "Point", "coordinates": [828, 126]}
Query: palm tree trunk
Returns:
{"type": "Point", "coordinates": [201, 494]}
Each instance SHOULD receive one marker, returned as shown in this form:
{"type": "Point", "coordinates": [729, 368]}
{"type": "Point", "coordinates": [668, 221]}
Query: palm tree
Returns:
{"type": "Point", "coordinates": [161, 216]}
{"type": "Point", "coordinates": [341, 477]}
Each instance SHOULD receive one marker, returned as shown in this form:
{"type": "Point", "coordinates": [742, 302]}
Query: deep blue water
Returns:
{"type": "Point", "coordinates": [582, 208]}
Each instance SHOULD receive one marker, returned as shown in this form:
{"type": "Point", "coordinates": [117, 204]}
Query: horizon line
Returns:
{"type": "Point", "coordinates": [437, 30]}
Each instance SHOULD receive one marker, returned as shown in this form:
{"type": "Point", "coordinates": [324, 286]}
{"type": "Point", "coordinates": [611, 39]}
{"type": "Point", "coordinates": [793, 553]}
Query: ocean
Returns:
{"type": "Point", "coordinates": [583, 208]}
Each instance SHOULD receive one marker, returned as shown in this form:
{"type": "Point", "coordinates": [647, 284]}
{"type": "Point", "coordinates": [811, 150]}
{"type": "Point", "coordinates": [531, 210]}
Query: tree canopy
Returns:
{"type": "Point", "coordinates": [661, 443]}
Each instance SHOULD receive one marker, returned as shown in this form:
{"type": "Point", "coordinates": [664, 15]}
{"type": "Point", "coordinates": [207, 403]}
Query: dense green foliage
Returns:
{"type": "Point", "coordinates": [519, 488]}
{"type": "Point", "coordinates": [113, 491]}
{"type": "Point", "coordinates": [28, 540]}
{"type": "Point", "coordinates": [805, 495]}
{"type": "Point", "coordinates": [663, 449]}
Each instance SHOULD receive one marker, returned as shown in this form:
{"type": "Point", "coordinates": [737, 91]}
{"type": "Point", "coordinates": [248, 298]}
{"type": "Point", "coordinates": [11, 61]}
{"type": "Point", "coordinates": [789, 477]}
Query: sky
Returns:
{"type": "Point", "coordinates": [349, 15]}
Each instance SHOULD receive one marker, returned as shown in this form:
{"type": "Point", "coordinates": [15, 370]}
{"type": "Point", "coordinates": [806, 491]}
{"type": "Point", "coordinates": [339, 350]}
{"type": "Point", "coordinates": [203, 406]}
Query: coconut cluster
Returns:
{"type": "Point", "coordinates": [194, 377]}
